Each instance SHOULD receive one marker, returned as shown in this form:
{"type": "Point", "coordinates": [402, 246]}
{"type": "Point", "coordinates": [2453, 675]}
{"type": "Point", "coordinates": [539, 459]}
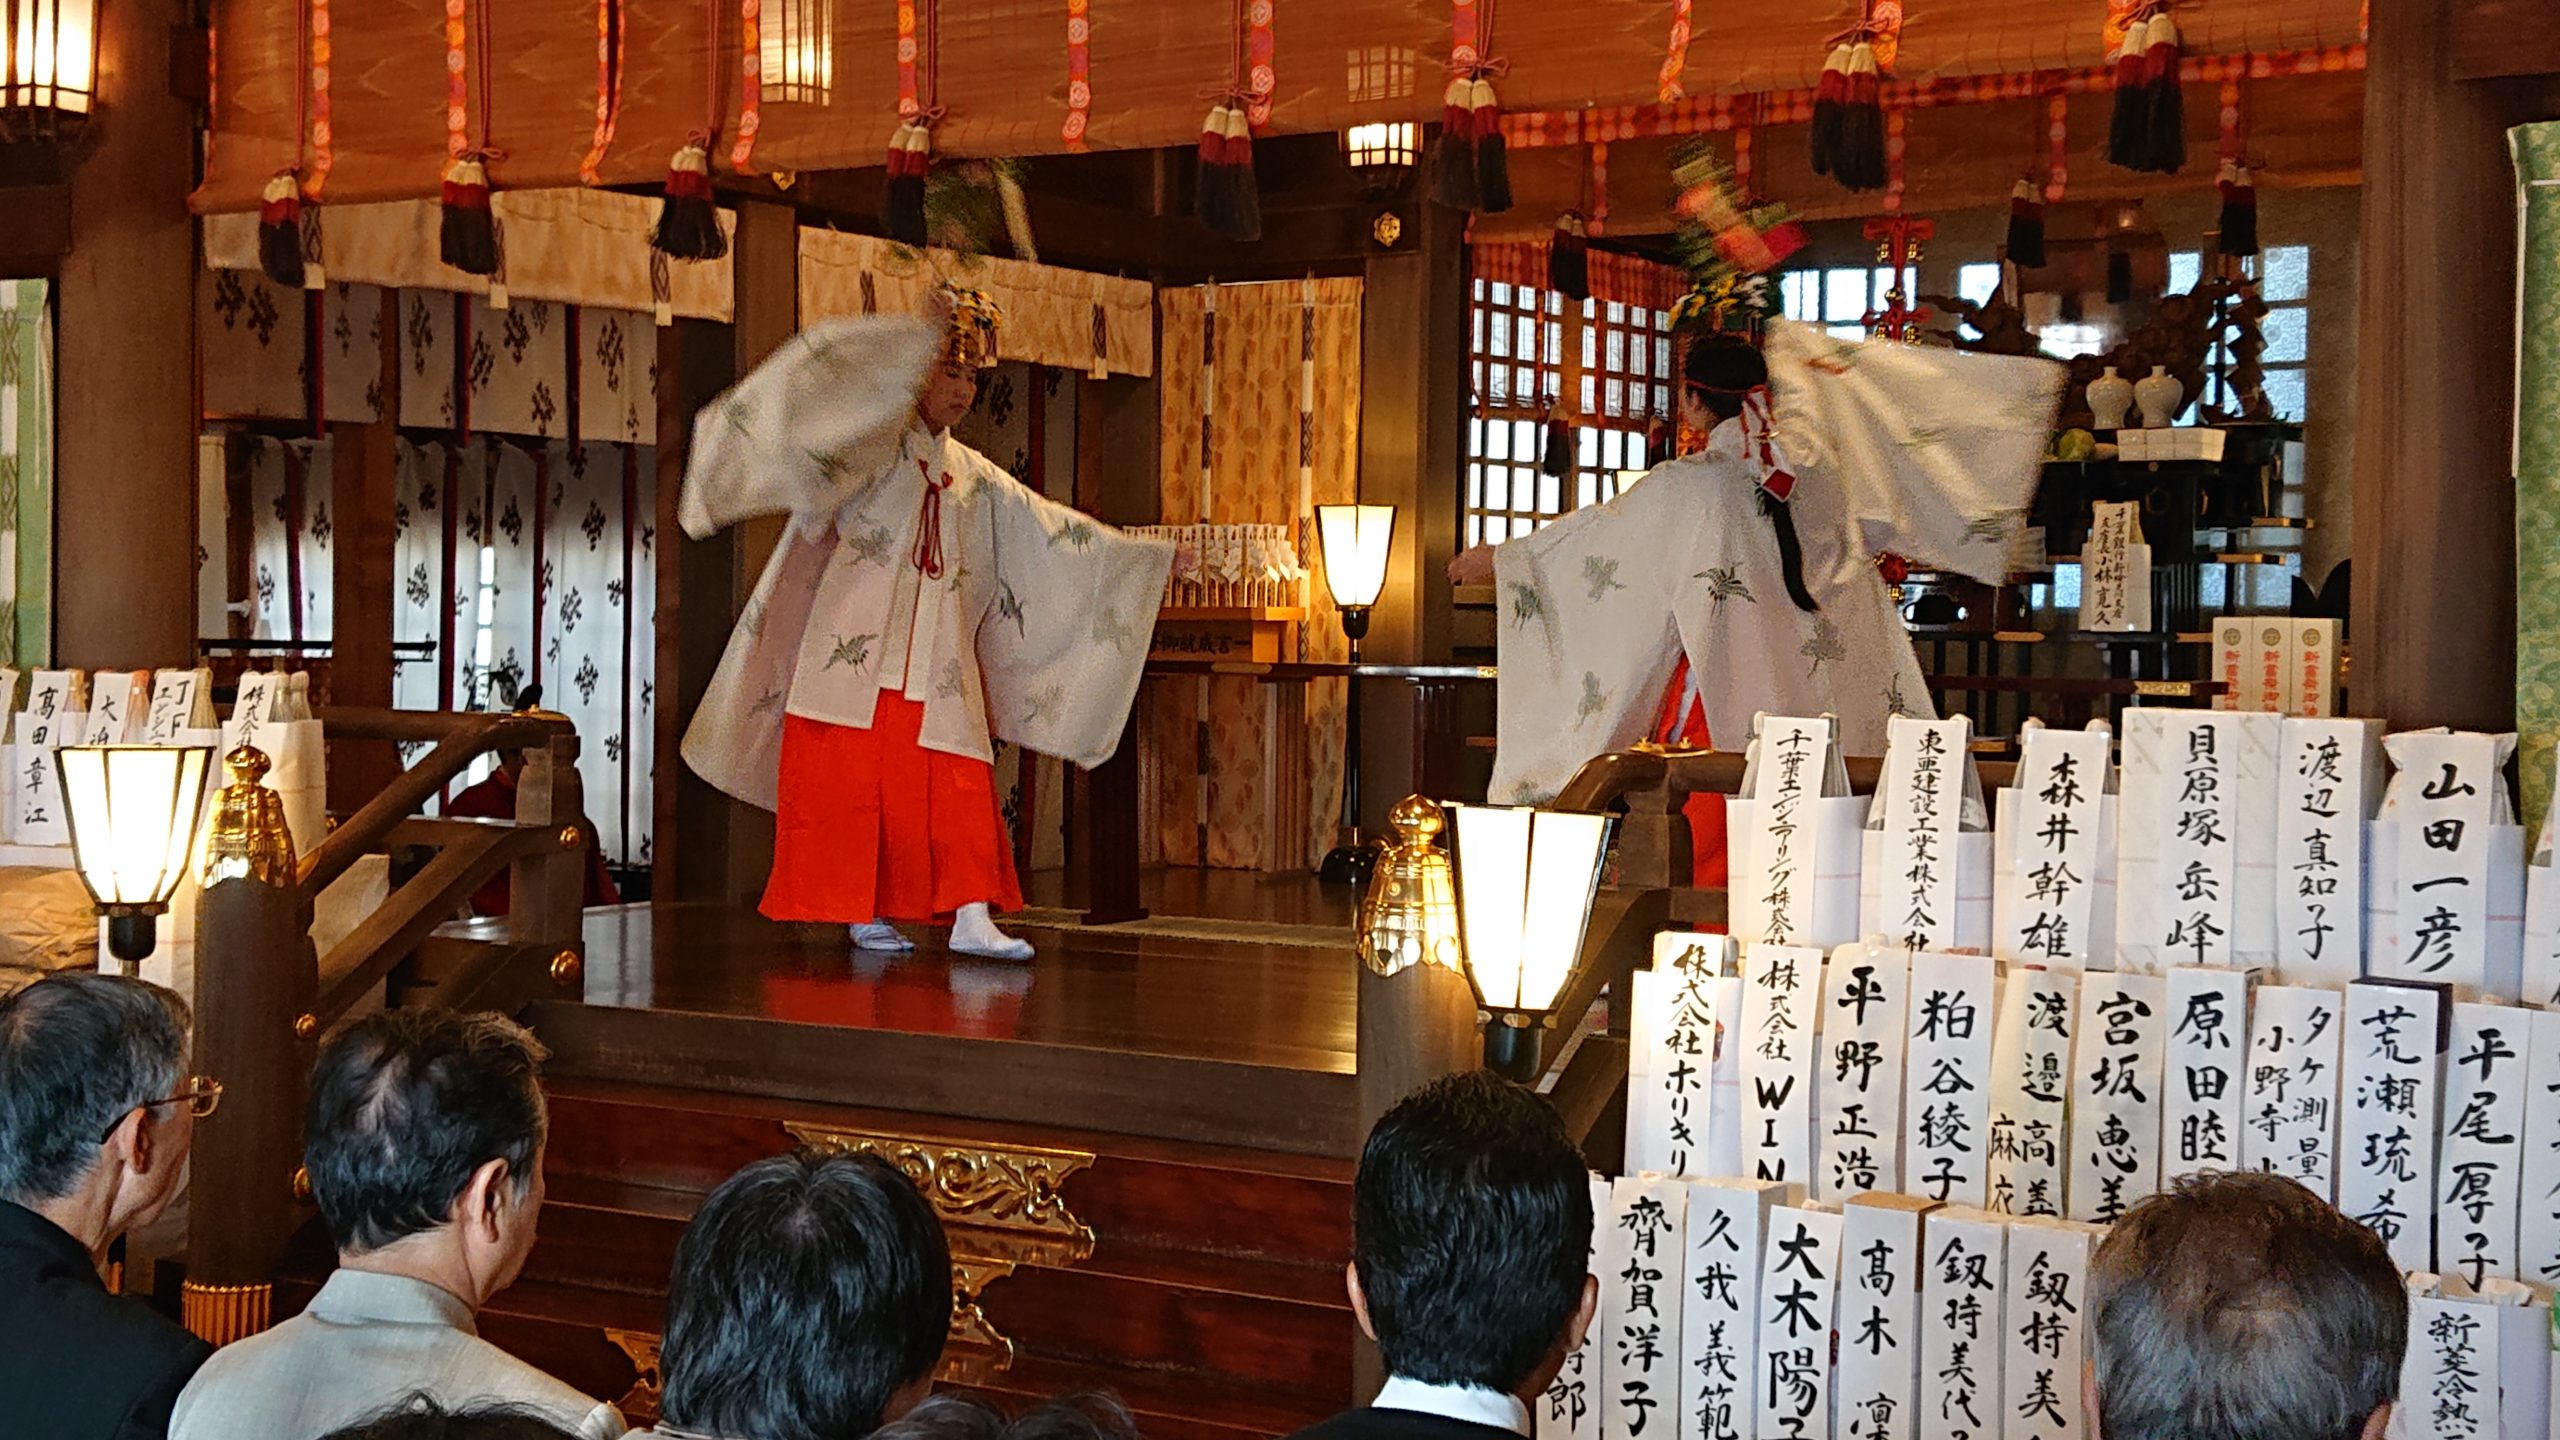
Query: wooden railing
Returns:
{"type": "Point", "coordinates": [264, 996]}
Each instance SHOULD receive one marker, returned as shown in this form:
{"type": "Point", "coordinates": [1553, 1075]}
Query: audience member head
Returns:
{"type": "Point", "coordinates": [96, 1111]}
{"type": "Point", "coordinates": [424, 1143]}
{"type": "Point", "coordinates": [810, 1300]}
{"type": "Point", "coordinates": [1089, 1416]}
{"type": "Point", "coordinates": [2242, 1307]}
{"type": "Point", "coordinates": [421, 1418]}
{"type": "Point", "coordinates": [1717, 373]}
{"type": "Point", "coordinates": [1471, 1236]}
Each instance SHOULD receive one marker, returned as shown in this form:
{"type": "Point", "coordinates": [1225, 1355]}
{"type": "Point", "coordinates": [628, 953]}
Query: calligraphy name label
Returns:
{"type": "Point", "coordinates": [2393, 1085]}
{"type": "Point", "coordinates": [2194, 768]}
{"type": "Point", "coordinates": [1947, 1107]}
{"type": "Point", "coordinates": [2047, 1321]}
{"type": "Point", "coordinates": [2031, 1082]}
{"type": "Point", "coordinates": [1865, 994]}
{"type": "Point", "coordinates": [2201, 1102]}
{"type": "Point", "coordinates": [251, 711]}
{"type": "Point", "coordinates": [2107, 601]}
{"type": "Point", "coordinates": [2538, 1225]}
{"type": "Point", "coordinates": [176, 696]}
{"type": "Point", "coordinates": [2053, 845]}
{"type": "Point", "coordinates": [1781, 986]}
{"type": "Point", "coordinates": [1640, 1332]}
{"type": "Point", "coordinates": [1878, 1384]}
{"type": "Point", "coordinates": [1963, 1337]}
{"type": "Point", "coordinates": [1792, 760]}
{"type": "Point", "coordinates": [2477, 1185]}
{"type": "Point", "coordinates": [53, 705]}
{"type": "Point", "coordinates": [115, 697]}
{"type": "Point", "coordinates": [2122, 1054]}
{"type": "Point", "coordinates": [1799, 1288]}
{"type": "Point", "coordinates": [2320, 819]}
{"type": "Point", "coordinates": [1720, 1306]}
{"type": "Point", "coordinates": [2292, 1099]}
{"type": "Point", "coordinates": [2444, 805]}
{"type": "Point", "coordinates": [2449, 1374]}
{"type": "Point", "coordinates": [1570, 1410]}
{"type": "Point", "coordinates": [1671, 1066]}
{"type": "Point", "coordinates": [1923, 805]}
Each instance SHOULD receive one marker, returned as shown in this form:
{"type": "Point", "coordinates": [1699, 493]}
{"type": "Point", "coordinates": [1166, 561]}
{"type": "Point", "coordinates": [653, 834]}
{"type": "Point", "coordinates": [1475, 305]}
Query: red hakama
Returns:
{"type": "Point", "coordinates": [873, 826]}
{"type": "Point", "coordinates": [1683, 722]}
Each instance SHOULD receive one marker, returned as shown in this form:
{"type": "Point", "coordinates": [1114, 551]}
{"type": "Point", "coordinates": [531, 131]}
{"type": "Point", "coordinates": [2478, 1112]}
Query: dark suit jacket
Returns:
{"type": "Point", "coordinates": [1376, 1424]}
{"type": "Point", "coordinates": [77, 1363]}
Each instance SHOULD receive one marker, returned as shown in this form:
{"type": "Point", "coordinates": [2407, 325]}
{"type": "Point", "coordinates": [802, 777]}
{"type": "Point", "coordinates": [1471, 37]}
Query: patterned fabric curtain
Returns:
{"type": "Point", "coordinates": [26, 473]}
{"type": "Point", "coordinates": [420, 599]}
{"type": "Point", "coordinates": [599, 643]}
{"type": "Point", "coordinates": [2536, 150]}
{"type": "Point", "coordinates": [291, 589]}
{"type": "Point", "coordinates": [1271, 790]}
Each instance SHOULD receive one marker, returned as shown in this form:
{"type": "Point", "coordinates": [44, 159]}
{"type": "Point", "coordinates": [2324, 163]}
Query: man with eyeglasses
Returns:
{"type": "Point", "coordinates": [96, 1115]}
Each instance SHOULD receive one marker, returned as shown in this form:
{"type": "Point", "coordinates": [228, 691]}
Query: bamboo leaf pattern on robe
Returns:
{"type": "Point", "coordinates": [1109, 628]}
{"type": "Point", "coordinates": [871, 547]}
{"type": "Point", "coordinates": [1593, 701]}
{"type": "Point", "coordinates": [1527, 603]}
{"type": "Point", "coordinates": [1009, 607]}
{"type": "Point", "coordinates": [1076, 533]}
{"type": "Point", "coordinates": [948, 687]}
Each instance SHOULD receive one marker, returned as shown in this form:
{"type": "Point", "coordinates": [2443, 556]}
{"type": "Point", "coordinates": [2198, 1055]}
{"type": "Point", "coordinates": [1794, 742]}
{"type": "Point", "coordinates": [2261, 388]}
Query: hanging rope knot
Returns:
{"type": "Point", "coordinates": [1491, 67]}
{"type": "Point", "coordinates": [1760, 444]}
{"type": "Point", "coordinates": [928, 551]}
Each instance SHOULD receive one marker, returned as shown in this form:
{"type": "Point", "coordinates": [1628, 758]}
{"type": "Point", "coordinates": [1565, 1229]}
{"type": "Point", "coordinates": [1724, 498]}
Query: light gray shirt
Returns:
{"type": "Point", "coordinates": [1471, 1403]}
{"type": "Point", "coordinates": [365, 1343]}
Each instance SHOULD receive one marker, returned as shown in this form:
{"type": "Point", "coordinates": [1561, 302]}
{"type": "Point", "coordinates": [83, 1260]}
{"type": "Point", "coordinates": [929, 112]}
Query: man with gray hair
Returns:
{"type": "Point", "coordinates": [2242, 1307]}
{"type": "Point", "coordinates": [96, 1115]}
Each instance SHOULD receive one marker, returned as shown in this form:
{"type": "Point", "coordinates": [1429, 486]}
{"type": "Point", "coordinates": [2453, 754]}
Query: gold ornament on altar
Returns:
{"type": "Point", "coordinates": [248, 839]}
{"type": "Point", "coordinates": [975, 318]}
{"type": "Point", "coordinates": [1410, 915]}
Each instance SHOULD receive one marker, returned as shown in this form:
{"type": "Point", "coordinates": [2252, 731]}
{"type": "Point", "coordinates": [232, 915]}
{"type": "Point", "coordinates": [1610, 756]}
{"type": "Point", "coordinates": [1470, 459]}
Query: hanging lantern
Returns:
{"type": "Point", "coordinates": [796, 44]}
{"type": "Point", "coordinates": [48, 67]}
{"type": "Point", "coordinates": [1382, 153]}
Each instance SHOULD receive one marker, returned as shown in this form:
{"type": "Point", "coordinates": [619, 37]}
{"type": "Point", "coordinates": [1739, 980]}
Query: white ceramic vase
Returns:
{"type": "Point", "coordinates": [2158, 393]}
{"type": "Point", "coordinates": [2110, 396]}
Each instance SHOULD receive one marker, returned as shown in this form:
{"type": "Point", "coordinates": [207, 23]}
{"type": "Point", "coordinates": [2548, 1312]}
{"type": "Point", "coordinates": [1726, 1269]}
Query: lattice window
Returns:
{"type": "Point", "coordinates": [1520, 337]}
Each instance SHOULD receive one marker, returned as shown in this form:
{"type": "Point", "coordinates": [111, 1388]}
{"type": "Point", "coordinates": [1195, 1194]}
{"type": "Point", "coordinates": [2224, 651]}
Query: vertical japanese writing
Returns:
{"type": "Point", "coordinates": [2320, 819]}
{"type": "Point", "coordinates": [254, 707]}
{"type": "Point", "coordinates": [2053, 826]}
{"type": "Point", "coordinates": [2107, 601]}
{"type": "Point", "coordinates": [1877, 1383]}
{"type": "Point", "coordinates": [2538, 1220]}
{"type": "Point", "coordinates": [110, 707]}
{"type": "Point", "coordinates": [2443, 800]}
{"type": "Point", "coordinates": [2115, 1124]}
{"type": "Point", "coordinates": [2291, 1099]}
{"type": "Point", "coordinates": [1781, 984]}
{"type": "Point", "coordinates": [1570, 1408]}
{"type": "Point", "coordinates": [2197, 876]}
{"type": "Point", "coordinates": [2394, 1063]}
{"type": "Point", "coordinates": [1799, 1288]}
{"type": "Point", "coordinates": [1948, 1077]}
{"type": "Point", "coordinates": [2448, 1382]}
{"type": "Point", "coordinates": [1720, 1306]}
{"type": "Point", "coordinates": [1922, 800]}
{"type": "Point", "coordinates": [173, 705]}
{"type": "Point", "coordinates": [1641, 1329]}
{"type": "Point", "coordinates": [1962, 1335]}
{"type": "Point", "coordinates": [2048, 1266]}
{"type": "Point", "coordinates": [1793, 757]}
{"type": "Point", "coordinates": [2200, 1102]}
{"type": "Point", "coordinates": [2476, 1184]}
{"type": "Point", "coordinates": [1671, 1061]}
{"type": "Point", "coordinates": [1864, 996]}
{"type": "Point", "coordinates": [2031, 1080]}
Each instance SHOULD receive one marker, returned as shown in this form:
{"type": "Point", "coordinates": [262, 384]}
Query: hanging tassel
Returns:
{"type": "Point", "coordinates": [1212, 193]}
{"type": "Point", "coordinates": [1829, 94]}
{"type": "Point", "coordinates": [2239, 224]}
{"type": "Point", "coordinates": [902, 196]}
{"type": "Point", "coordinates": [2026, 226]}
{"type": "Point", "coordinates": [1569, 258]}
{"type": "Point", "coordinates": [280, 230]}
{"type": "Point", "coordinates": [1493, 153]}
{"type": "Point", "coordinates": [1455, 180]}
{"type": "Point", "coordinates": [1557, 457]}
{"type": "Point", "coordinates": [2165, 122]}
{"type": "Point", "coordinates": [1236, 158]}
{"type": "Point", "coordinates": [2124, 119]}
{"type": "Point", "coordinates": [1861, 160]}
{"type": "Point", "coordinates": [688, 221]}
{"type": "Point", "coordinates": [470, 232]}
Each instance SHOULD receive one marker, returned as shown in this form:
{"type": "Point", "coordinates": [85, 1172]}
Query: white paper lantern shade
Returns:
{"type": "Point", "coordinates": [133, 812]}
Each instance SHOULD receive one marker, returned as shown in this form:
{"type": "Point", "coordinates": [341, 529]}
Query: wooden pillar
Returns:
{"type": "Point", "coordinates": [1117, 437]}
{"type": "Point", "coordinates": [127, 412]}
{"type": "Point", "coordinates": [1412, 399]}
{"type": "Point", "coordinates": [364, 493]}
{"type": "Point", "coordinates": [2433, 628]}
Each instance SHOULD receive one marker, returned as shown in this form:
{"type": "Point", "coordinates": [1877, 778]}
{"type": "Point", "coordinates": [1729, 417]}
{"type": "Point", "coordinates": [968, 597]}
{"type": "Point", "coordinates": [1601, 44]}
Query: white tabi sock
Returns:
{"type": "Point", "coordinates": [974, 932]}
{"type": "Point", "coordinates": [881, 936]}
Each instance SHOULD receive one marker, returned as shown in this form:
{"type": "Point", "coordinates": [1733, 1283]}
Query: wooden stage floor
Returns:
{"type": "Point", "coordinates": [1238, 967]}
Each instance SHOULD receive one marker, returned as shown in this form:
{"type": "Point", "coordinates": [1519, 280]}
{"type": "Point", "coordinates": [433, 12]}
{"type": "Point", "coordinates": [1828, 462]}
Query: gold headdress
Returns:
{"type": "Point", "coordinates": [975, 318]}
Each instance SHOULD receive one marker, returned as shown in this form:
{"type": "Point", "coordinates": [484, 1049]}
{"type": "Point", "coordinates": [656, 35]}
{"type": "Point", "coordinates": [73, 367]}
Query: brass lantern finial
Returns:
{"type": "Point", "coordinates": [248, 839]}
{"type": "Point", "coordinates": [1410, 915]}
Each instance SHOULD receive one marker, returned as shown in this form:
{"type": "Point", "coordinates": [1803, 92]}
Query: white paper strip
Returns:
{"type": "Point", "coordinates": [2053, 844]}
{"type": "Point", "coordinates": [1720, 1305]}
{"type": "Point", "coordinates": [180, 700]}
{"type": "Point", "coordinates": [2477, 1182]}
{"type": "Point", "coordinates": [2292, 1099]}
{"type": "Point", "coordinates": [2328, 769]}
{"type": "Point", "coordinates": [2047, 1304]}
{"type": "Point", "coordinates": [1781, 986]}
{"type": "Point", "coordinates": [2109, 599]}
{"type": "Point", "coordinates": [1947, 1105]}
{"type": "Point", "coordinates": [1963, 1337]}
{"type": "Point", "coordinates": [2448, 1378]}
{"type": "Point", "coordinates": [2122, 1045]}
{"type": "Point", "coordinates": [1865, 992]}
{"type": "Point", "coordinates": [252, 710]}
{"type": "Point", "coordinates": [53, 700]}
{"type": "Point", "coordinates": [1792, 759]}
{"type": "Point", "coordinates": [1878, 1384]}
{"type": "Point", "coordinates": [1922, 801]}
{"type": "Point", "coordinates": [2393, 1086]}
{"type": "Point", "coordinates": [1640, 1287]}
{"type": "Point", "coordinates": [117, 699]}
{"type": "Point", "coordinates": [1799, 1287]}
{"type": "Point", "coordinates": [1671, 1060]}
{"type": "Point", "coordinates": [1724, 1107]}
{"type": "Point", "coordinates": [2538, 1225]}
{"type": "Point", "coordinates": [2197, 878]}
{"type": "Point", "coordinates": [37, 816]}
{"type": "Point", "coordinates": [2030, 1088]}
{"type": "Point", "coordinates": [1570, 1409]}
{"type": "Point", "coordinates": [2201, 1112]}
{"type": "Point", "coordinates": [2446, 792]}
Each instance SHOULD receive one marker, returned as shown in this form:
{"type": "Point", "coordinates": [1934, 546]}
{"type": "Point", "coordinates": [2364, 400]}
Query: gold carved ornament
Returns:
{"type": "Point", "coordinates": [1013, 1187]}
{"type": "Point", "coordinates": [248, 839]}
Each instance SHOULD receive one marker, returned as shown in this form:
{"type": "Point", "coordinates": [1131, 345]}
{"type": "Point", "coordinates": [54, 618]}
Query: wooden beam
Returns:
{"type": "Point", "coordinates": [2503, 37]}
{"type": "Point", "coordinates": [364, 492]}
{"type": "Point", "coordinates": [688, 818]}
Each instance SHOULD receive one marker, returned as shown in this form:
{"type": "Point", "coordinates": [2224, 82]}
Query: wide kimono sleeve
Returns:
{"type": "Point", "coordinates": [819, 421]}
{"type": "Point", "coordinates": [1584, 631]}
{"type": "Point", "coordinates": [1936, 451]}
{"type": "Point", "coordinates": [1065, 643]}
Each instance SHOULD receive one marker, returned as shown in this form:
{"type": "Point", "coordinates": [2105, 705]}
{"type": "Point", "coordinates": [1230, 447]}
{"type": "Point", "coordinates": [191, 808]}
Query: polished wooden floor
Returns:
{"type": "Point", "coordinates": [1282, 1005]}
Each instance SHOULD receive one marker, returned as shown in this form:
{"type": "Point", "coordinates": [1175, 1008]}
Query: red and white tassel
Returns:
{"type": "Point", "coordinates": [1829, 93]}
{"type": "Point", "coordinates": [1455, 180]}
{"type": "Point", "coordinates": [1493, 153]}
{"type": "Point", "coordinates": [2239, 224]}
{"type": "Point", "coordinates": [688, 220]}
{"type": "Point", "coordinates": [902, 199]}
{"type": "Point", "coordinates": [1569, 258]}
{"type": "Point", "coordinates": [2147, 129]}
{"type": "Point", "coordinates": [2026, 226]}
{"type": "Point", "coordinates": [1862, 158]}
{"type": "Point", "coordinates": [280, 230]}
{"type": "Point", "coordinates": [470, 231]}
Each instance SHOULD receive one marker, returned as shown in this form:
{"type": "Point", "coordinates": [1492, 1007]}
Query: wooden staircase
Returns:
{"type": "Point", "coordinates": [1208, 1295]}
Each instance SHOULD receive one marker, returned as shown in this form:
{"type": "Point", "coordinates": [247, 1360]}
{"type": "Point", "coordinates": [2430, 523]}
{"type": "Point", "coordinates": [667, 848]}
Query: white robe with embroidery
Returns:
{"type": "Point", "coordinates": [1035, 632]}
{"type": "Point", "coordinates": [1932, 454]}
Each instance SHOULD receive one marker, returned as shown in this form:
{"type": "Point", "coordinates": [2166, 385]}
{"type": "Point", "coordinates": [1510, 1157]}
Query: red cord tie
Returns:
{"type": "Point", "coordinates": [1759, 442]}
{"type": "Point", "coordinates": [928, 555]}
